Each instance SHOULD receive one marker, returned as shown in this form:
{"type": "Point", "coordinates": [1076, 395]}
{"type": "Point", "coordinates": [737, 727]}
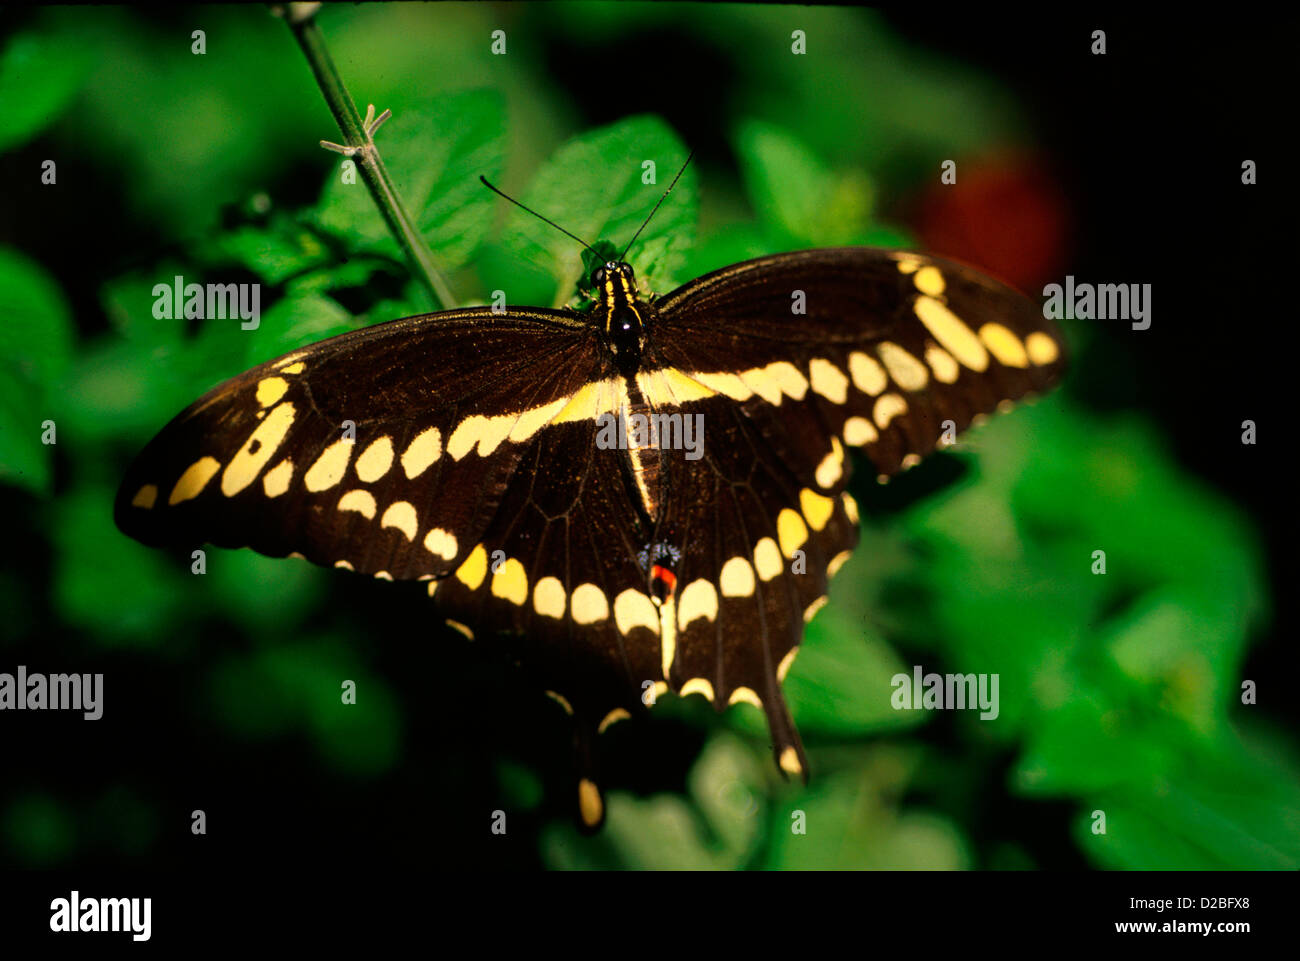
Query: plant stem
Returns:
{"type": "Point", "coordinates": [359, 139]}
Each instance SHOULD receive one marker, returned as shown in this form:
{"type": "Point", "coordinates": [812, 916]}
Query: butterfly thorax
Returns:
{"type": "Point", "coordinates": [621, 314]}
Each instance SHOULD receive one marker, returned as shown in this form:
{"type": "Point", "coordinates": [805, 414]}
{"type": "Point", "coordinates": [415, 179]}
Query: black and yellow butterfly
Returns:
{"type": "Point", "coordinates": [648, 495]}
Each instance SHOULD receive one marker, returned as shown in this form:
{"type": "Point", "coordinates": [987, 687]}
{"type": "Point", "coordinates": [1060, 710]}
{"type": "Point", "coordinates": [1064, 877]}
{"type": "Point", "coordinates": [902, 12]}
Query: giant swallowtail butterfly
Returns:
{"type": "Point", "coordinates": [534, 467]}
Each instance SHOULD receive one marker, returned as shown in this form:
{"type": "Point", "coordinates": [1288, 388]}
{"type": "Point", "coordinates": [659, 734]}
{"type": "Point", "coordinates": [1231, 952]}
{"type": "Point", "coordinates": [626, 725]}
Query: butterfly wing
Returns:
{"type": "Point", "coordinates": [878, 348]}
{"type": "Point", "coordinates": [788, 360]}
{"type": "Point", "coordinates": [384, 450]}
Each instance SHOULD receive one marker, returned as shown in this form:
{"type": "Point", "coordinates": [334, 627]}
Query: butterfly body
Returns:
{"type": "Point", "coordinates": [501, 458]}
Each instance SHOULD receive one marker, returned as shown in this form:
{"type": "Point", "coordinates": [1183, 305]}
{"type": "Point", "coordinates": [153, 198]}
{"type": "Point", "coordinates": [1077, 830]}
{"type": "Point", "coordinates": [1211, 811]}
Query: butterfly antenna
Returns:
{"type": "Point", "coordinates": [657, 206]}
{"type": "Point", "coordinates": [536, 214]}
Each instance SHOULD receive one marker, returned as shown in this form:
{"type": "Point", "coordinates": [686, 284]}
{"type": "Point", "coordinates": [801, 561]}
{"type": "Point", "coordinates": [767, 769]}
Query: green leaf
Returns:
{"type": "Point", "coordinates": [38, 830]}
{"type": "Point", "coordinates": [719, 831]}
{"type": "Point", "coordinates": [129, 302]}
{"type": "Point", "coordinates": [24, 459]}
{"type": "Point", "coordinates": [122, 592]}
{"type": "Point", "coordinates": [37, 335]}
{"type": "Point", "coordinates": [275, 252]}
{"type": "Point", "coordinates": [294, 322]}
{"type": "Point", "coordinates": [299, 688]}
{"type": "Point", "coordinates": [434, 157]}
{"type": "Point", "coordinates": [841, 681]}
{"type": "Point", "coordinates": [797, 194]}
{"type": "Point", "coordinates": [594, 186]}
{"type": "Point", "coordinates": [850, 819]}
{"type": "Point", "coordinates": [268, 595]}
{"type": "Point", "coordinates": [39, 76]}
{"type": "Point", "coordinates": [35, 350]}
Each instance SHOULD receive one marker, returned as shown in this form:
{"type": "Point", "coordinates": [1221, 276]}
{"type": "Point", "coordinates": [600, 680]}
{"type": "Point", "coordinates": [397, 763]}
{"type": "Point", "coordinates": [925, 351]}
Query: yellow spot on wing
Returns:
{"type": "Point", "coordinates": [549, 597]}
{"type": "Point", "coordinates": [196, 477]}
{"type": "Point", "coordinates": [746, 695]}
{"type": "Point", "coordinates": [510, 583]}
{"type": "Point", "coordinates": [1004, 345]}
{"type": "Point", "coordinates": [737, 578]}
{"type": "Point", "coordinates": [929, 280]}
{"type": "Point", "coordinates": [727, 384]}
{"type": "Point", "coordinates": [401, 515]}
{"type": "Point", "coordinates": [776, 379]}
{"type": "Point", "coordinates": [297, 368]}
{"type": "Point", "coordinates": [474, 569]}
{"type": "Point", "coordinates": [1042, 349]}
{"type": "Point", "coordinates": [145, 496]}
{"type": "Point", "coordinates": [592, 400]}
{"type": "Point", "coordinates": [329, 467]}
{"type": "Point", "coordinates": [831, 468]}
{"type": "Point", "coordinates": [588, 604]}
{"type": "Point", "coordinates": [343, 565]}
{"type": "Point", "coordinates": [814, 607]}
{"type": "Point", "coordinates": [422, 451]}
{"type": "Point", "coordinates": [669, 387]}
{"type": "Point", "coordinates": [561, 700]}
{"type": "Point", "coordinates": [850, 506]}
{"type": "Point", "coordinates": [887, 408]}
{"type": "Point", "coordinates": [791, 532]}
{"type": "Point", "coordinates": [907, 372]}
{"type": "Point", "coordinates": [699, 599]}
{"type": "Point", "coordinates": [816, 508]}
{"type": "Point", "coordinates": [485, 433]}
{"type": "Point", "coordinates": [458, 626]}
{"type": "Point", "coordinates": [953, 335]}
{"type": "Point", "coordinates": [613, 717]}
{"type": "Point", "coordinates": [634, 609]}
{"type": "Point", "coordinates": [667, 634]}
{"type": "Point", "coordinates": [859, 431]}
{"type": "Point", "coordinates": [868, 376]}
{"type": "Point", "coordinates": [257, 450]}
{"type": "Point", "coordinates": [590, 806]}
{"type": "Point", "coordinates": [941, 362]}
{"type": "Point", "coordinates": [698, 685]}
{"type": "Point", "coordinates": [441, 543]}
{"type": "Point", "coordinates": [533, 420]}
{"type": "Point", "coordinates": [783, 668]}
{"type": "Point", "coordinates": [767, 559]}
{"type": "Point", "coordinates": [828, 380]}
{"type": "Point", "coordinates": [276, 480]}
{"type": "Point", "coordinates": [375, 460]}
{"type": "Point", "coordinates": [270, 389]}
{"type": "Point", "coordinates": [363, 502]}
{"type": "Point", "coordinates": [790, 757]}
{"type": "Point", "coordinates": [837, 562]}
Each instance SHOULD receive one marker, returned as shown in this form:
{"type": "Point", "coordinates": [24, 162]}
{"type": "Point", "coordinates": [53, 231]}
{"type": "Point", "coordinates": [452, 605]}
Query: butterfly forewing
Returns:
{"type": "Point", "coordinates": [879, 348]}
{"type": "Point", "coordinates": [384, 450]}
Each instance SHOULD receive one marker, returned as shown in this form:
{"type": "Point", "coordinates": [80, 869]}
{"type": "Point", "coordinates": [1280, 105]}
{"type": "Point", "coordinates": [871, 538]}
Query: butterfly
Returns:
{"type": "Point", "coordinates": [644, 495]}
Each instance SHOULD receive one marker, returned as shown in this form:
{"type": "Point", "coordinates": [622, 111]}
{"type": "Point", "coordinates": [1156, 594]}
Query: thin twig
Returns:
{"type": "Point", "coordinates": [358, 136]}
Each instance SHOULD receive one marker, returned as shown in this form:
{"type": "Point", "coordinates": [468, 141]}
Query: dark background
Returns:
{"type": "Point", "coordinates": [1144, 143]}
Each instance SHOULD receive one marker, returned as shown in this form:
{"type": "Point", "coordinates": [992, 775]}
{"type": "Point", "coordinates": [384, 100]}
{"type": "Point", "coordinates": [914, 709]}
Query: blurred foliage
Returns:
{"type": "Point", "coordinates": [1117, 691]}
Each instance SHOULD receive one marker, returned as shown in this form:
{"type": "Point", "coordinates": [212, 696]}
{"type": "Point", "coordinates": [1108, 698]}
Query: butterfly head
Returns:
{"type": "Point", "coordinates": [620, 310]}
